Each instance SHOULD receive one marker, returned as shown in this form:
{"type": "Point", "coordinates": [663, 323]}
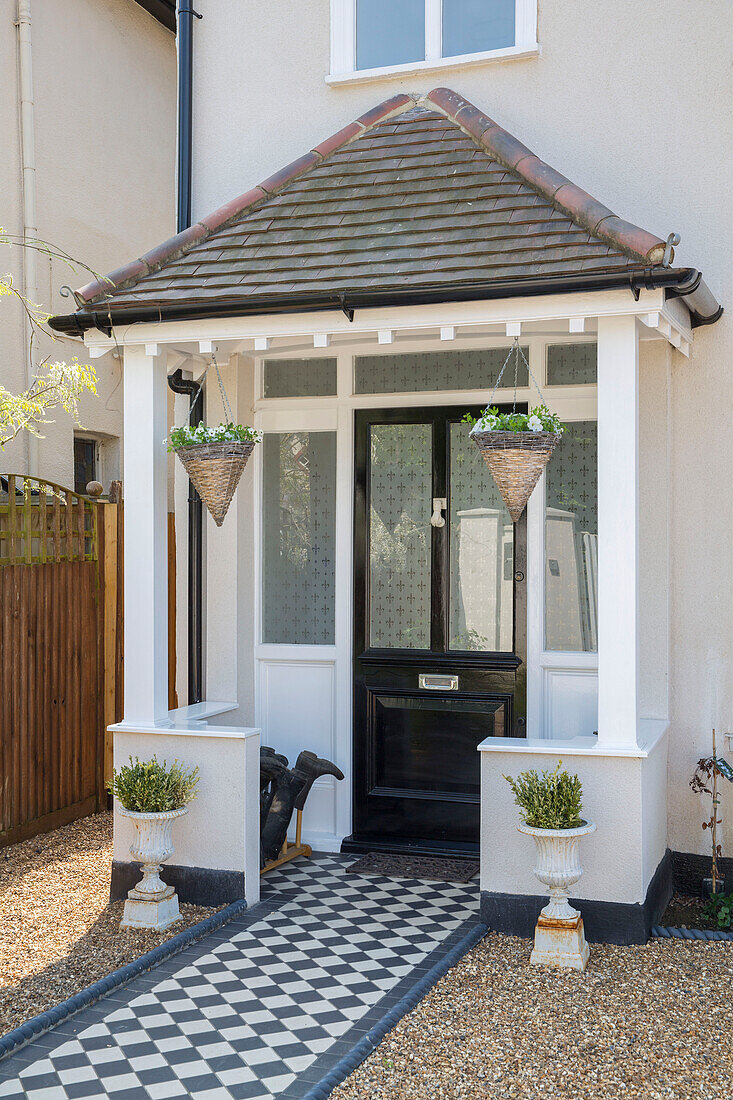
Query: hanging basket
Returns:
{"type": "Point", "coordinates": [215, 469]}
{"type": "Point", "coordinates": [516, 461]}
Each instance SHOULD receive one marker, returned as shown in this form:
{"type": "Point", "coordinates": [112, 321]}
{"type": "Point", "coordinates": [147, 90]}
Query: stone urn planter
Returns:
{"type": "Point", "coordinates": [152, 904]}
{"type": "Point", "coordinates": [559, 935]}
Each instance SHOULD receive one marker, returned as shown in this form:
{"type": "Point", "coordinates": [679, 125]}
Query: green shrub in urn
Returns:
{"type": "Point", "coordinates": [149, 787]}
{"type": "Point", "coordinates": [548, 800]}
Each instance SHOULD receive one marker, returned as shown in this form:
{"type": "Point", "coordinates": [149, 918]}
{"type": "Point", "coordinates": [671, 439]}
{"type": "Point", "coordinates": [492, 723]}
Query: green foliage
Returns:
{"type": "Point", "coordinates": [552, 800]}
{"type": "Point", "coordinates": [538, 419]}
{"type": "Point", "coordinates": [719, 909]}
{"type": "Point", "coordinates": [149, 787]}
{"type": "Point", "coordinates": [54, 385]}
{"type": "Point", "coordinates": [188, 436]}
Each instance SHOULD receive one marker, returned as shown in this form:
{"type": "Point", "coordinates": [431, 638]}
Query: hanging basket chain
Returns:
{"type": "Point", "coordinates": [516, 351]}
{"type": "Point", "coordinates": [224, 399]}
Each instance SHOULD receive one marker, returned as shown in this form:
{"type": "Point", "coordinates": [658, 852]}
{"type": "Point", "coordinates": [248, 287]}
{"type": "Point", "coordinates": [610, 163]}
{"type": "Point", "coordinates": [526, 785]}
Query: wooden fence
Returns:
{"type": "Point", "coordinates": [60, 652]}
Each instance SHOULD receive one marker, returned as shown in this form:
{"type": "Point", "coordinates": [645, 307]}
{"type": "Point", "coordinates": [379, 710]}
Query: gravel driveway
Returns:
{"type": "Point", "coordinates": [642, 1023]}
{"type": "Point", "coordinates": [58, 932]}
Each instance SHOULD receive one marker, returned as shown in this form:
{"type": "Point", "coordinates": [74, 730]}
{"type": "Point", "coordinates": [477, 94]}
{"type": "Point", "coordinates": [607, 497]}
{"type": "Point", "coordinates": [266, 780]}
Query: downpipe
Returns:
{"type": "Point", "coordinates": [26, 106]}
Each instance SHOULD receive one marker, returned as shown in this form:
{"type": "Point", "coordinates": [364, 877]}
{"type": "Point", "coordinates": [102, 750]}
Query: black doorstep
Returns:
{"type": "Point", "coordinates": [363, 844]}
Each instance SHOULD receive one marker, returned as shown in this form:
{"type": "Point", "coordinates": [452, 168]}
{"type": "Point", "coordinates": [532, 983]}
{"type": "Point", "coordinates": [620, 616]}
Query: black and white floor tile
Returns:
{"type": "Point", "coordinates": [263, 1007]}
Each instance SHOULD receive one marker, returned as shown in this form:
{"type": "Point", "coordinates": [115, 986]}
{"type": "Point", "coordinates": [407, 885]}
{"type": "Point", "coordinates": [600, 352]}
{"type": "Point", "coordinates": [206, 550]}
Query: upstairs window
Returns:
{"type": "Point", "coordinates": [376, 37]}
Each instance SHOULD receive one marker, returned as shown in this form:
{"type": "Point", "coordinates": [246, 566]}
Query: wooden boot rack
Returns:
{"type": "Point", "coordinates": [290, 851]}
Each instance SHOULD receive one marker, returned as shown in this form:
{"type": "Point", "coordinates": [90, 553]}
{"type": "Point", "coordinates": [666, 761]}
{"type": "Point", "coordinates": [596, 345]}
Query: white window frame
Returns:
{"type": "Point", "coordinates": [343, 44]}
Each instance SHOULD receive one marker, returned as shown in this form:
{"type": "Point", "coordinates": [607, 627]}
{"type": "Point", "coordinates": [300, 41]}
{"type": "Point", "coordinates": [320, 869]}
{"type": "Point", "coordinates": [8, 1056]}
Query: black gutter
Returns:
{"type": "Point", "coordinates": [677, 281]}
{"type": "Point", "coordinates": [179, 384]}
{"type": "Point", "coordinates": [176, 381]}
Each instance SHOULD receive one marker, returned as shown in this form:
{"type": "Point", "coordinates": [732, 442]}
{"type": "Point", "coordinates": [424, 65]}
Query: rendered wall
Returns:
{"type": "Point", "coordinates": [620, 794]}
{"type": "Point", "coordinates": [104, 76]}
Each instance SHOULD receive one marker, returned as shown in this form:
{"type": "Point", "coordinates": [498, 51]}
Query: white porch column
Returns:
{"type": "Point", "coordinates": [146, 533]}
{"type": "Point", "coordinates": [618, 531]}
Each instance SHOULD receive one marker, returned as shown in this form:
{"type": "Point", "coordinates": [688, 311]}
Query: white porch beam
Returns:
{"type": "Point", "coordinates": [146, 532]}
{"type": "Point", "coordinates": [618, 532]}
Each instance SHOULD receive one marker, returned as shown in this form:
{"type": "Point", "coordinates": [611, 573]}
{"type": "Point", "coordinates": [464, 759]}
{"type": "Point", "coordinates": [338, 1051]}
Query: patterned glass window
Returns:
{"type": "Point", "coordinates": [572, 364]}
{"type": "Point", "coordinates": [299, 524]}
{"type": "Point", "coordinates": [440, 370]}
{"type": "Point", "coordinates": [300, 377]}
{"type": "Point", "coordinates": [400, 478]}
{"type": "Point", "coordinates": [481, 553]}
{"type": "Point", "coordinates": [571, 541]}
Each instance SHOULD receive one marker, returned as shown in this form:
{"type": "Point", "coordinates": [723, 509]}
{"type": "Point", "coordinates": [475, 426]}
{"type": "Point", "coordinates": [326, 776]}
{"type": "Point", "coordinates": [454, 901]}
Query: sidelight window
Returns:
{"type": "Point", "coordinates": [299, 529]}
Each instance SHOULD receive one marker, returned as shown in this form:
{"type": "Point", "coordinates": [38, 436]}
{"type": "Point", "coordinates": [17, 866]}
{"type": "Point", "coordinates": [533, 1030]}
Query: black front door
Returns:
{"type": "Point", "coordinates": [440, 629]}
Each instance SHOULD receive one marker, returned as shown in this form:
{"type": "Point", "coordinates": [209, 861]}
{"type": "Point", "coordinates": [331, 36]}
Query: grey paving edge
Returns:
{"type": "Point", "coordinates": [361, 1050]}
{"type": "Point", "coordinates": [661, 932]}
{"type": "Point", "coordinates": [37, 1025]}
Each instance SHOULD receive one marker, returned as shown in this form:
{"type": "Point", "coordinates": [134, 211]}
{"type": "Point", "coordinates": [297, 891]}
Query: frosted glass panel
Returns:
{"type": "Point", "coordinates": [440, 370]}
{"type": "Point", "coordinates": [481, 553]}
{"type": "Point", "coordinates": [389, 32]}
{"type": "Point", "coordinates": [472, 26]}
{"type": "Point", "coordinates": [401, 476]}
{"type": "Point", "coordinates": [572, 364]}
{"type": "Point", "coordinates": [299, 512]}
{"type": "Point", "coordinates": [571, 541]}
{"type": "Point", "coordinates": [300, 377]}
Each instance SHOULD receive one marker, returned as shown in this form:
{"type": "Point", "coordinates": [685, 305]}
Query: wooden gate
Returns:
{"type": "Point", "coordinates": [60, 653]}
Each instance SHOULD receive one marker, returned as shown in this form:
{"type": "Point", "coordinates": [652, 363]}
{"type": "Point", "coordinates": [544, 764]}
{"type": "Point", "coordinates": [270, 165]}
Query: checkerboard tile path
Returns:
{"type": "Point", "coordinates": [263, 1007]}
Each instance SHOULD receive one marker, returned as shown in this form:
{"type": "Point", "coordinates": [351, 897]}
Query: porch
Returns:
{"type": "Point", "coordinates": [572, 645]}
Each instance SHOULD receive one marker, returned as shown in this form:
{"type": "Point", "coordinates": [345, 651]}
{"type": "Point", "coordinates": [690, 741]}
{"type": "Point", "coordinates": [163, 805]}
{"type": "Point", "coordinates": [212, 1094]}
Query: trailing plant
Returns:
{"type": "Point", "coordinates": [538, 419]}
{"type": "Point", "coordinates": [705, 781]}
{"type": "Point", "coordinates": [54, 384]}
{"type": "Point", "coordinates": [189, 436]}
{"type": "Point", "coordinates": [719, 909]}
{"type": "Point", "coordinates": [550, 800]}
{"type": "Point", "coordinates": [149, 787]}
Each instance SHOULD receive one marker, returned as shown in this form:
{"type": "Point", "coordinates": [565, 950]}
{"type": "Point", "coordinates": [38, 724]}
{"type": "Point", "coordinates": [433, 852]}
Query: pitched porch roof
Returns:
{"type": "Point", "coordinates": [420, 199]}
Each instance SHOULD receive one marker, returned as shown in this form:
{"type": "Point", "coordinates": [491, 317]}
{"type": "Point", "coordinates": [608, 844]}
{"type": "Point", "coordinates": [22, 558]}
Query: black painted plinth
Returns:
{"type": "Point", "coordinates": [689, 870]}
{"type": "Point", "coordinates": [195, 885]}
{"type": "Point", "coordinates": [604, 921]}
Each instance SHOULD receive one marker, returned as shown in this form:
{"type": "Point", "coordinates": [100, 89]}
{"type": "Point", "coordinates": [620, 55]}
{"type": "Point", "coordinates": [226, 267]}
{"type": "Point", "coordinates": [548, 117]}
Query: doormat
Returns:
{"type": "Point", "coordinates": [391, 865]}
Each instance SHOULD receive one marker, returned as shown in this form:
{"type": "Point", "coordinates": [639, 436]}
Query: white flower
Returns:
{"type": "Point", "coordinates": [534, 424]}
{"type": "Point", "coordinates": [484, 424]}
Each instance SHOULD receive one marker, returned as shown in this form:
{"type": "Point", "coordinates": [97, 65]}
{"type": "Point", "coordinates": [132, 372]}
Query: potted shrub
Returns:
{"type": "Point", "coordinates": [152, 796]}
{"type": "Point", "coordinates": [516, 447]}
{"type": "Point", "coordinates": [550, 806]}
{"type": "Point", "coordinates": [214, 459]}
{"type": "Point", "coordinates": [705, 781]}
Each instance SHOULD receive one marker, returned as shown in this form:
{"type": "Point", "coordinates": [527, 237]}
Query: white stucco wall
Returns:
{"type": "Point", "coordinates": [631, 102]}
{"type": "Point", "coordinates": [212, 832]}
{"type": "Point", "coordinates": [104, 77]}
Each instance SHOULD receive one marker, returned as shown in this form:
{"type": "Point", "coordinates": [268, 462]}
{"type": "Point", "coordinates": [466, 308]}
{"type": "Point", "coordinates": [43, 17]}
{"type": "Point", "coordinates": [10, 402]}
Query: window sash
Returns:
{"type": "Point", "coordinates": [343, 35]}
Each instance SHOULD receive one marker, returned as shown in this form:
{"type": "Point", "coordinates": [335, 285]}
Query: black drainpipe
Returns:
{"type": "Point", "coordinates": [176, 381]}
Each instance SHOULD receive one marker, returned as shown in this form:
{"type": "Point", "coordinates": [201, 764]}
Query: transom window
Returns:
{"type": "Point", "coordinates": [377, 35]}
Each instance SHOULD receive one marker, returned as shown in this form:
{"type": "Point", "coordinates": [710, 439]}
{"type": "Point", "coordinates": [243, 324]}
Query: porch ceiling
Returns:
{"type": "Point", "coordinates": [418, 200]}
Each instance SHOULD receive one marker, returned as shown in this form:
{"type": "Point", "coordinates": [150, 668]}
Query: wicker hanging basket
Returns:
{"type": "Point", "coordinates": [516, 461]}
{"type": "Point", "coordinates": [215, 470]}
